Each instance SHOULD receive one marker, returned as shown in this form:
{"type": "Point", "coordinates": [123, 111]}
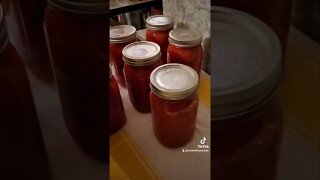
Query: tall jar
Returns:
{"type": "Point", "coordinates": [246, 111]}
{"type": "Point", "coordinates": [158, 28]}
{"type": "Point", "coordinates": [117, 116]}
{"type": "Point", "coordinates": [185, 48]}
{"type": "Point", "coordinates": [120, 36]}
{"type": "Point", "coordinates": [76, 37]}
{"type": "Point", "coordinates": [174, 103]}
{"type": "Point", "coordinates": [140, 58]}
{"type": "Point", "coordinates": [22, 152]}
{"type": "Point", "coordinates": [25, 25]}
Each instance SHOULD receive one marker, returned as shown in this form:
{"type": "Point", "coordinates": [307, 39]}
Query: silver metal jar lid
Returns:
{"type": "Point", "coordinates": [122, 33]}
{"type": "Point", "coordinates": [141, 53]}
{"type": "Point", "coordinates": [185, 37]}
{"type": "Point", "coordinates": [246, 62]}
{"type": "Point", "coordinates": [82, 6]}
{"type": "Point", "coordinates": [3, 29]}
{"type": "Point", "coordinates": [159, 22]}
{"type": "Point", "coordinates": [174, 81]}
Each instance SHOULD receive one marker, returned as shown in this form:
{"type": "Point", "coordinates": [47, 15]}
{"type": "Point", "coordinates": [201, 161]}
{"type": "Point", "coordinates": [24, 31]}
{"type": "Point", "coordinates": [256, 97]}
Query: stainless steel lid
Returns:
{"type": "Point", "coordinates": [3, 29]}
{"type": "Point", "coordinates": [82, 6]}
{"type": "Point", "coordinates": [246, 62]}
{"type": "Point", "coordinates": [174, 81]}
{"type": "Point", "coordinates": [122, 33]}
{"type": "Point", "coordinates": [185, 37]}
{"type": "Point", "coordinates": [141, 53]}
{"type": "Point", "coordinates": [159, 22]}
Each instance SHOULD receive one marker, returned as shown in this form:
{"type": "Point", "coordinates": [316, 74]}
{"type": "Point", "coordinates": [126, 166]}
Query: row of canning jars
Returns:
{"type": "Point", "coordinates": [176, 45]}
{"type": "Point", "coordinates": [168, 91]}
{"type": "Point", "coordinates": [68, 37]}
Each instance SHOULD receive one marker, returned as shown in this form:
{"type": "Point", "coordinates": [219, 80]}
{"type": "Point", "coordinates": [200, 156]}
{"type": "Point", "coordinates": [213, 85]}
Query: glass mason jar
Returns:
{"type": "Point", "coordinates": [25, 26]}
{"type": "Point", "coordinates": [120, 36]}
{"type": "Point", "coordinates": [174, 103]}
{"type": "Point", "coordinates": [247, 119]}
{"type": "Point", "coordinates": [117, 117]}
{"type": "Point", "coordinates": [158, 28]}
{"type": "Point", "coordinates": [22, 152]}
{"type": "Point", "coordinates": [76, 37]}
{"type": "Point", "coordinates": [140, 58]}
{"type": "Point", "coordinates": [185, 48]}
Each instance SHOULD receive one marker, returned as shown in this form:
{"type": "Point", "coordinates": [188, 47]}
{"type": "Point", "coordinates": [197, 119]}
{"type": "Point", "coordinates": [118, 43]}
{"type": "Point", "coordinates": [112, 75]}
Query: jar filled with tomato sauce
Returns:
{"type": "Point", "coordinates": [158, 28]}
{"type": "Point", "coordinates": [76, 37]}
{"type": "Point", "coordinates": [140, 58]}
{"type": "Point", "coordinates": [22, 153]}
{"type": "Point", "coordinates": [185, 48]}
{"type": "Point", "coordinates": [247, 117]}
{"type": "Point", "coordinates": [117, 117]}
{"type": "Point", "coordinates": [120, 36]}
{"type": "Point", "coordinates": [174, 103]}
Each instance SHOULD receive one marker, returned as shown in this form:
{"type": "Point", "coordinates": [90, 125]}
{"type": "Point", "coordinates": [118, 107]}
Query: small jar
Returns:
{"type": "Point", "coordinates": [76, 37]}
{"type": "Point", "coordinates": [185, 48]}
{"type": "Point", "coordinates": [140, 58]}
{"type": "Point", "coordinates": [117, 117]}
{"type": "Point", "coordinates": [120, 36]}
{"type": "Point", "coordinates": [158, 28]}
{"type": "Point", "coordinates": [174, 103]}
{"type": "Point", "coordinates": [247, 118]}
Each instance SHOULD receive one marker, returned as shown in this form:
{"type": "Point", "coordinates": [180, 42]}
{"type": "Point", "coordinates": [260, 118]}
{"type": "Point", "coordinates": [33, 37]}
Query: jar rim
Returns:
{"type": "Point", "coordinates": [174, 81]}
{"type": "Point", "coordinates": [141, 53]}
{"type": "Point", "coordinates": [159, 27]}
{"type": "Point", "coordinates": [184, 37]}
{"type": "Point", "coordinates": [129, 36]}
{"type": "Point", "coordinates": [81, 7]}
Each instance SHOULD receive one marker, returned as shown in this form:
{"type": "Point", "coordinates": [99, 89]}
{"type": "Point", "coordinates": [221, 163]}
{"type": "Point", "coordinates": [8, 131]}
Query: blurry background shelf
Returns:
{"type": "Point", "coordinates": [123, 6]}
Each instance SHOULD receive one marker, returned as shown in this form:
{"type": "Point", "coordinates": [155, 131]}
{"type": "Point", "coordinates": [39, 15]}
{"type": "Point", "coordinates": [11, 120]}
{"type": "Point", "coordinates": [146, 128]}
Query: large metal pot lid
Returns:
{"type": "Point", "coordinates": [246, 62]}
